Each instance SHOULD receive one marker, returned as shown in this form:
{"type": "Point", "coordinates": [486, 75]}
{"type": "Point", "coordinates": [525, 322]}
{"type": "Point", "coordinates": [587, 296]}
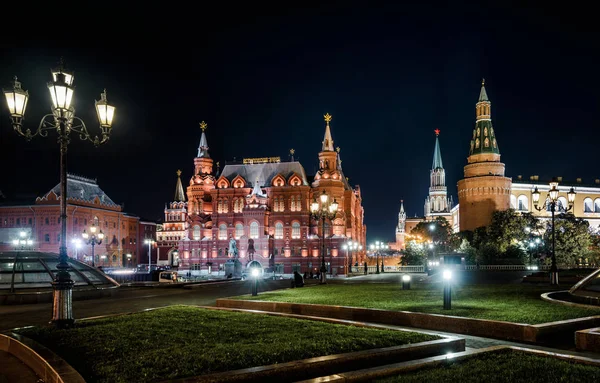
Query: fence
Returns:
{"type": "Point", "coordinates": [422, 269]}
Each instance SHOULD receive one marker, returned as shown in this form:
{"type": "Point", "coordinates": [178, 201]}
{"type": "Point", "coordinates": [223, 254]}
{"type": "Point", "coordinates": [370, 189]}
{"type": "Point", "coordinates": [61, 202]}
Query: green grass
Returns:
{"type": "Point", "coordinates": [181, 341]}
{"type": "Point", "coordinates": [517, 303]}
{"type": "Point", "coordinates": [503, 367]}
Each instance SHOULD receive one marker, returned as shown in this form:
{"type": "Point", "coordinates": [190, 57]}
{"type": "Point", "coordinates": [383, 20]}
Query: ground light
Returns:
{"type": "Point", "coordinates": [255, 273]}
{"type": "Point", "coordinates": [406, 282]}
{"type": "Point", "coordinates": [447, 275]}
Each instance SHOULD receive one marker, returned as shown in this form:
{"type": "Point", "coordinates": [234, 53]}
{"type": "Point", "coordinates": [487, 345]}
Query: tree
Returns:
{"type": "Point", "coordinates": [414, 254]}
{"type": "Point", "coordinates": [510, 228]}
{"type": "Point", "coordinates": [573, 238]}
{"type": "Point", "coordinates": [439, 232]}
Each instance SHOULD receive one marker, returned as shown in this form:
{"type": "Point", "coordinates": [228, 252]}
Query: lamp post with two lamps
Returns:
{"type": "Point", "coordinates": [554, 204]}
{"type": "Point", "coordinates": [77, 245]}
{"type": "Point", "coordinates": [323, 210]}
{"type": "Point", "coordinates": [350, 246]}
{"type": "Point", "coordinates": [63, 121]}
{"type": "Point", "coordinates": [94, 238]}
{"type": "Point", "coordinates": [377, 247]}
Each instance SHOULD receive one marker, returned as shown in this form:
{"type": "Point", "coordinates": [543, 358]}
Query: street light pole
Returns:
{"type": "Point", "coordinates": [63, 121]}
{"type": "Point", "coordinates": [326, 209]}
{"type": "Point", "coordinates": [553, 203]}
{"type": "Point", "coordinates": [93, 239]}
{"type": "Point", "coordinates": [150, 242]}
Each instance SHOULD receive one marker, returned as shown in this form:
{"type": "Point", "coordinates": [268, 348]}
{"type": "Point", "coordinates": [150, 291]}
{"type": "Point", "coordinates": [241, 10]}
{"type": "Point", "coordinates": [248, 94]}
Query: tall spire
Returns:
{"type": "Point", "coordinates": [327, 140]}
{"type": "Point", "coordinates": [179, 196]}
{"type": "Point", "coordinates": [203, 147]}
{"type": "Point", "coordinates": [437, 154]}
{"type": "Point", "coordinates": [484, 138]}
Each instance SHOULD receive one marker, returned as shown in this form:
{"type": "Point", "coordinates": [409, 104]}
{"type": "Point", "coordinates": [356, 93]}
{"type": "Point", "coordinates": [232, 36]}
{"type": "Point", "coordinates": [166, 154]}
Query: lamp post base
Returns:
{"type": "Point", "coordinates": [62, 303]}
{"type": "Point", "coordinates": [323, 280]}
{"type": "Point", "coordinates": [447, 296]}
{"type": "Point", "coordinates": [554, 277]}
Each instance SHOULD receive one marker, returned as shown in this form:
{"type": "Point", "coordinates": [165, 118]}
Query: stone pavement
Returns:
{"type": "Point", "coordinates": [12, 370]}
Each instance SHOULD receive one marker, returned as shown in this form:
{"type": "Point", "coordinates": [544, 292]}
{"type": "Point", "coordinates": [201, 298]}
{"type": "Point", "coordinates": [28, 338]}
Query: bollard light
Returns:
{"type": "Point", "coordinates": [447, 276]}
{"type": "Point", "coordinates": [255, 273]}
{"type": "Point", "coordinates": [406, 282]}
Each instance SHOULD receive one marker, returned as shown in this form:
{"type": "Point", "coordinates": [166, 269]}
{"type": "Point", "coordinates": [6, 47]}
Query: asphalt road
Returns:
{"type": "Point", "coordinates": [130, 299]}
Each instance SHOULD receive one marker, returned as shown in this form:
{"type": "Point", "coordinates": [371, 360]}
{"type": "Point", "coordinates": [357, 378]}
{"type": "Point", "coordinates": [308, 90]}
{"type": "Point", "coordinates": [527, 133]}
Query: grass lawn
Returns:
{"type": "Point", "coordinates": [503, 367]}
{"type": "Point", "coordinates": [517, 303]}
{"type": "Point", "coordinates": [182, 341]}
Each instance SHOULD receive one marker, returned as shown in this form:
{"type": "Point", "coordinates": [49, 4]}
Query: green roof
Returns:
{"type": "Point", "coordinates": [484, 138]}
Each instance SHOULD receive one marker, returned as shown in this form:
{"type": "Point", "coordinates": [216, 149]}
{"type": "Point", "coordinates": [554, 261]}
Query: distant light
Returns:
{"type": "Point", "coordinates": [406, 278]}
{"type": "Point", "coordinates": [447, 275]}
{"type": "Point", "coordinates": [432, 227]}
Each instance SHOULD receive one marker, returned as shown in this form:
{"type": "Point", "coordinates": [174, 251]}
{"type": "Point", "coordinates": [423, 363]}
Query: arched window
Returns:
{"type": "Point", "coordinates": [222, 231]}
{"type": "Point", "coordinates": [293, 203]}
{"type": "Point", "coordinates": [239, 230]}
{"type": "Point", "coordinates": [597, 205]}
{"type": "Point", "coordinates": [562, 204]}
{"type": "Point", "coordinates": [295, 230]}
{"type": "Point", "coordinates": [279, 230]}
{"type": "Point", "coordinates": [588, 206]}
{"type": "Point", "coordinates": [523, 203]}
{"type": "Point", "coordinates": [298, 203]}
{"type": "Point", "coordinates": [196, 234]}
{"type": "Point", "coordinates": [513, 201]}
{"type": "Point", "coordinates": [281, 204]}
{"type": "Point", "coordinates": [254, 230]}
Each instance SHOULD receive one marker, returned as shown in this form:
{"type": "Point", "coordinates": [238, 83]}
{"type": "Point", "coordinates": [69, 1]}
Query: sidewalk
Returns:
{"type": "Point", "coordinates": [12, 370]}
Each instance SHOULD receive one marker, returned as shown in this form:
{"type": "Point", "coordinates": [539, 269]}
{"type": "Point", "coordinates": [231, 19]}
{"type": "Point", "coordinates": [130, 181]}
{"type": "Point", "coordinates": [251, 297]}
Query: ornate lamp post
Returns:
{"type": "Point", "coordinates": [23, 242]}
{"type": "Point", "coordinates": [63, 121]}
{"type": "Point", "coordinates": [376, 248]}
{"type": "Point", "coordinates": [150, 242]}
{"type": "Point", "coordinates": [322, 210]}
{"type": "Point", "coordinates": [350, 246]}
{"type": "Point", "coordinates": [552, 202]}
{"type": "Point", "coordinates": [77, 246]}
{"type": "Point", "coordinates": [94, 238]}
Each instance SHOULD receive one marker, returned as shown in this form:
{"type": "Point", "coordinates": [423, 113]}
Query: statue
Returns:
{"type": "Point", "coordinates": [233, 251]}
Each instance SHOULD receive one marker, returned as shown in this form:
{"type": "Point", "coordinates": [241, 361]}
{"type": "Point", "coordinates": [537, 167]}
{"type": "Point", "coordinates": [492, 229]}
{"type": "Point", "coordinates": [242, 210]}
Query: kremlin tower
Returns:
{"type": "Point", "coordinates": [484, 188]}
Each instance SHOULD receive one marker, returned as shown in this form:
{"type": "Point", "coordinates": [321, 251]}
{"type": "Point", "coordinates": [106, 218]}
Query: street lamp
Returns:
{"type": "Point", "coordinates": [77, 245]}
{"type": "Point", "coordinates": [94, 238]}
{"type": "Point", "coordinates": [447, 276]}
{"type": "Point", "coordinates": [376, 248]}
{"type": "Point", "coordinates": [406, 282]}
{"type": "Point", "coordinates": [322, 210]}
{"type": "Point", "coordinates": [350, 246]}
{"type": "Point", "coordinates": [150, 242]}
{"type": "Point", "coordinates": [23, 241]}
{"type": "Point", "coordinates": [552, 202]}
{"type": "Point", "coordinates": [63, 121]}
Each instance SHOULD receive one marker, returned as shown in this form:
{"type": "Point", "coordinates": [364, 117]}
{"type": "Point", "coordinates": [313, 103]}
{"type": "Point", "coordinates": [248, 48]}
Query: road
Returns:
{"type": "Point", "coordinates": [130, 299]}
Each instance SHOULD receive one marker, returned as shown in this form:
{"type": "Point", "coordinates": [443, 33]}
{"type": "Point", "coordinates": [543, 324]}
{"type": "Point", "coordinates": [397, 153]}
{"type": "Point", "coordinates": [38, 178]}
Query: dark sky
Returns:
{"type": "Point", "coordinates": [262, 78]}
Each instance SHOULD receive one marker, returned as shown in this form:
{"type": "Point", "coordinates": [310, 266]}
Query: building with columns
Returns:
{"type": "Point", "coordinates": [87, 204]}
{"type": "Point", "coordinates": [263, 203]}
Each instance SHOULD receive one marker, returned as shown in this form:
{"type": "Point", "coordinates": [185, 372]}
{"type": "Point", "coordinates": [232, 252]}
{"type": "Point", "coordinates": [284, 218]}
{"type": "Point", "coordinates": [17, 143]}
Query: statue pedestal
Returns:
{"type": "Point", "coordinates": [233, 267]}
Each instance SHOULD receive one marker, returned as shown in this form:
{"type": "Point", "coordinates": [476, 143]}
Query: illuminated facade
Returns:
{"type": "Point", "coordinates": [263, 203]}
{"type": "Point", "coordinates": [86, 204]}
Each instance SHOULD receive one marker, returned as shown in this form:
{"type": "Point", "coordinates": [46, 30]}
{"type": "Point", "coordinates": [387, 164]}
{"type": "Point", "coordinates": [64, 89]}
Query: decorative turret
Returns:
{"type": "Point", "coordinates": [484, 188]}
{"type": "Point", "coordinates": [484, 139]}
{"type": "Point", "coordinates": [401, 228]}
{"type": "Point", "coordinates": [179, 196]}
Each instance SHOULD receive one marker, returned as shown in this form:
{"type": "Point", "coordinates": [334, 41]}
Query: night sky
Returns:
{"type": "Point", "coordinates": [263, 78]}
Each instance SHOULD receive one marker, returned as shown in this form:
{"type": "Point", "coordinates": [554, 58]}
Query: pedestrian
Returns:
{"type": "Point", "coordinates": [366, 268]}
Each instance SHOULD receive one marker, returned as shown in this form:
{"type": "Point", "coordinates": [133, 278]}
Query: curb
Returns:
{"type": "Point", "coordinates": [370, 374]}
{"type": "Point", "coordinates": [45, 363]}
{"type": "Point", "coordinates": [521, 332]}
{"type": "Point", "coordinates": [588, 340]}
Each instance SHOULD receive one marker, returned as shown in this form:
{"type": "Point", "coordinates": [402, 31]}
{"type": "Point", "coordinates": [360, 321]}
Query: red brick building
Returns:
{"type": "Point", "coordinates": [87, 204]}
{"type": "Point", "coordinates": [264, 204]}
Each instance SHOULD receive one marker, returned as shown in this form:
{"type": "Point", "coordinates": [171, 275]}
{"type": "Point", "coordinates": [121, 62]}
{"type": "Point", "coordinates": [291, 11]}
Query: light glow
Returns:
{"type": "Point", "coordinates": [406, 278]}
{"type": "Point", "coordinates": [255, 272]}
{"type": "Point", "coordinates": [447, 275]}
{"type": "Point", "coordinates": [16, 99]}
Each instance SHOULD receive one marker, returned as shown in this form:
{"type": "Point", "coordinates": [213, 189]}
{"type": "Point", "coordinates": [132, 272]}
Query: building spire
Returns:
{"type": "Point", "coordinates": [437, 154]}
{"type": "Point", "coordinates": [327, 140]}
{"type": "Point", "coordinates": [203, 147]}
{"type": "Point", "coordinates": [483, 94]}
{"type": "Point", "coordinates": [292, 151]}
{"type": "Point", "coordinates": [179, 196]}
